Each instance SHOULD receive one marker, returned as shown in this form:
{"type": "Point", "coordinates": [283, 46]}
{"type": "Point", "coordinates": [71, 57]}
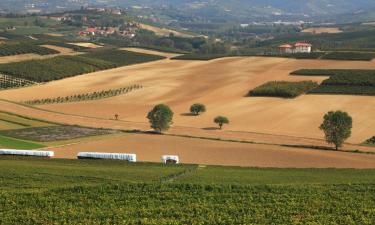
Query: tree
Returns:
{"type": "Point", "coordinates": [160, 118]}
{"type": "Point", "coordinates": [337, 127]}
{"type": "Point", "coordinates": [116, 116]}
{"type": "Point", "coordinates": [197, 108]}
{"type": "Point", "coordinates": [221, 120]}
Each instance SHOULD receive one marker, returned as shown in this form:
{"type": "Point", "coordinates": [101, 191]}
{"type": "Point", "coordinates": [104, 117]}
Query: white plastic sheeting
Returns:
{"type": "Point", "coordinates": [170, 159]}
{"type": "Point", "coordinates": [26, 153]}
{"type": "Point", "coordinates": [100, 155]}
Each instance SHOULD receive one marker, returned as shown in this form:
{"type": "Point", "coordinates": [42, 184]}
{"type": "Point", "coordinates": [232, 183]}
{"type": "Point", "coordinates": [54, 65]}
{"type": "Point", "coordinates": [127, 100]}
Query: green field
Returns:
{"type": "Point", "coordinates": [283, 89]}
{"type": "Point", "coordinates": [342, 81]}
{"type": "Point", "coordinates": [45, 191]}
{"type": "Point", "coordinates": [16, 49]}
{"type": "Point", "coordinates": [67, 66]}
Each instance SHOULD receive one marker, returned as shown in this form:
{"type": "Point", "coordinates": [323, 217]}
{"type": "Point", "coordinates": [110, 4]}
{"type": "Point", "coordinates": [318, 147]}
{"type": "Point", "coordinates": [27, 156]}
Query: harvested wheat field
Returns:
{"type": "Point", "coordinates": [85, 44]}
{"type": "Point", "coordinates": [151, 52]}
{"type": "Point", "coordinates": [190, 150]}
{"type": "Point", "coordinates": [221, 85]}
{"type": "Point", "coordinates": [164, 31]}
{"type": "Point", "coordinates": [59, 49]}
{"type": "Point", "coordinates": [321, 30]}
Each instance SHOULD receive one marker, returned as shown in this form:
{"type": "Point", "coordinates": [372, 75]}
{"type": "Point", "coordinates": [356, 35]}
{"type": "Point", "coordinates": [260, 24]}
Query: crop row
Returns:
{"type": "Point", "coordinates": [12, 82]}
{"type": "Point", "coordinates": [16, 49]}
{"type": "Point", "coordinates": [85, 97]}
{"type": "Point", "coordinates": [343, 81]}
{"type": "Point", "coordinates": [192, 204]}
{"type": "Point", "coordinates": [283, 89]}
{"type": "Point", "coordinates": [67, 66]}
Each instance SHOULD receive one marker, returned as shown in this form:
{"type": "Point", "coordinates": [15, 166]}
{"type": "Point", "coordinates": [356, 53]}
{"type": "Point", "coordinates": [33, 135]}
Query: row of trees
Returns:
{"type": "Point", "coordinates": [161, 116]}
{"type": "Point", "coordinates": [336, 125]}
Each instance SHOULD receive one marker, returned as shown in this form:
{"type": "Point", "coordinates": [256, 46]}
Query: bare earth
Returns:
{"type": "Point", "coordinates": [151, 52]}
{"type": "Point", "coordinates": [151, 147]}
{"type": "Point", "coordinates": [163, 31]}
{"type": "Point", "coordinates": [221, 85]}
{"type": "Point", "coordinates": [86, 44]}
{"type": "Point", "coordinates": [320, 30]}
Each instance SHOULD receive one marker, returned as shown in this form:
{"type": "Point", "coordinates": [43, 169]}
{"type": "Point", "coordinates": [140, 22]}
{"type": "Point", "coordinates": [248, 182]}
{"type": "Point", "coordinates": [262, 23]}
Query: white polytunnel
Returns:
{"type": "Point", "coordinates": [173, 159]}
{"type": "Point", "coordinates": [27, 153]}
{"type": "Point", "coordinates": [101, 155]}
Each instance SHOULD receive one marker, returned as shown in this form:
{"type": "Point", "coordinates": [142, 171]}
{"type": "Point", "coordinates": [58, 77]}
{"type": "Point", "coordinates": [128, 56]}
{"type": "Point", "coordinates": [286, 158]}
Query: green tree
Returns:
{"type": "Point", "coordinates": [337, 127]}
{"type": "Point", "coordinates": [160, 118]}
{"type": "Point", "coordinates": [221, 120]}
{"type": "Point", "coordinates": [197, 108]}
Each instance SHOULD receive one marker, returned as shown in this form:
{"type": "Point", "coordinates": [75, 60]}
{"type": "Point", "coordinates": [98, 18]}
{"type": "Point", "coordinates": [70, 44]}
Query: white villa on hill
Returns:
{"type": "Point", "coordinates": [299, 47]}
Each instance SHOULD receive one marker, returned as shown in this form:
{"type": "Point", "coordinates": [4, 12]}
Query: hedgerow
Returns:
{"type": "Point", "coordinates": [17, 49]}
{"type": "Point", "coordinates": [361, 56]}
{"type": "Point", "coordinates": [283, 89]}
{"type": "Point", "coordinates": [67, 66]}
{"type": "Point", "coordinates": [85, 97]}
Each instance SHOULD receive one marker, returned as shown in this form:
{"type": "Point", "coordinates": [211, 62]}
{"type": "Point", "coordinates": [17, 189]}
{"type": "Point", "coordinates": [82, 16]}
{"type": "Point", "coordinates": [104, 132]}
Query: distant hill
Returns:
{"type": "Point", "coordinates": [226, 9]}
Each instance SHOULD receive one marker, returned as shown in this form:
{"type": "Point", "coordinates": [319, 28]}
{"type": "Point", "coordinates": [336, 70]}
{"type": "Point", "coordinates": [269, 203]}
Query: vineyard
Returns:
{"type": "Point", "coordinates": [85, 97]}
{"type": "Point", "coordinates": [67, 66]}
{"type": "Point", "coordinates": [344, 81]}
{"type": "Point", "coordinates": [17, 49]}
{"type": "Point", "coordinates": [283, 89]}
{"type": "Point", "coordinates": [46, 191]}
{"type": "Point", "coordinates": [13, 82]}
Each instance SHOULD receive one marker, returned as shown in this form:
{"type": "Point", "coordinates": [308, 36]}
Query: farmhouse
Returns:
{"type": "Point", "coordinates": [299, 47]}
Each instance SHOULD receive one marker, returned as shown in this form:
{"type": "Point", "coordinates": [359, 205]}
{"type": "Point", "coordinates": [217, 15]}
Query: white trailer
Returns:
{"type": "Point", "coordinates": [48, 154]}
{"type": "Point", "coordinates": [102, 155]}
{"type": "Point", "coordinates": [170, 159]}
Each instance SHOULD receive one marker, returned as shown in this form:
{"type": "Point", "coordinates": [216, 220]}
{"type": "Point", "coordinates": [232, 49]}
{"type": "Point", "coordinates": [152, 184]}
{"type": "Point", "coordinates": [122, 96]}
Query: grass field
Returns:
{"type": "Point", "coordinates": [111, 192]}
{"type": "Point", "coordinates": [13, 143]}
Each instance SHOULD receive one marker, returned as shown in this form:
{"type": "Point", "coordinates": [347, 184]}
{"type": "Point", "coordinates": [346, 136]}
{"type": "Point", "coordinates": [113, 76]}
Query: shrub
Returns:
{"type": "Point", "coordinates": [283, 89]}
{"type": "Point", "coordinates": [197, 108]}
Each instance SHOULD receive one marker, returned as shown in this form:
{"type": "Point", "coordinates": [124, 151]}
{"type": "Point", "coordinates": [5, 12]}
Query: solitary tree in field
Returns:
{"type": "Point", "coordinates": [337, 127]}
{"type": "Point", "coordinates": [197, 108]}
{"type": "Point", "coordinates": [221, 120]}
{"type": "Point", "coordinates": [116, 116]}
{"type": "Point", "coordinates": [160, 118]}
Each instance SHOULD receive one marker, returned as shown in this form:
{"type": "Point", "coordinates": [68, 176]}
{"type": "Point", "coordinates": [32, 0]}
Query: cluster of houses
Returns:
{"type": "Point", "coordinates": [127, 30]}
{"type": "Point", "coordinates": [299, 47]}
{"type": "Point", "coordinates": [166, 159]}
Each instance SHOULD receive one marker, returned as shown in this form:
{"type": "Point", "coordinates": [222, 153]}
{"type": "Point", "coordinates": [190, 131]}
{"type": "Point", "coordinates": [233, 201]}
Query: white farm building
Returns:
{"type": "Point", "coordinates": [299, 47]}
